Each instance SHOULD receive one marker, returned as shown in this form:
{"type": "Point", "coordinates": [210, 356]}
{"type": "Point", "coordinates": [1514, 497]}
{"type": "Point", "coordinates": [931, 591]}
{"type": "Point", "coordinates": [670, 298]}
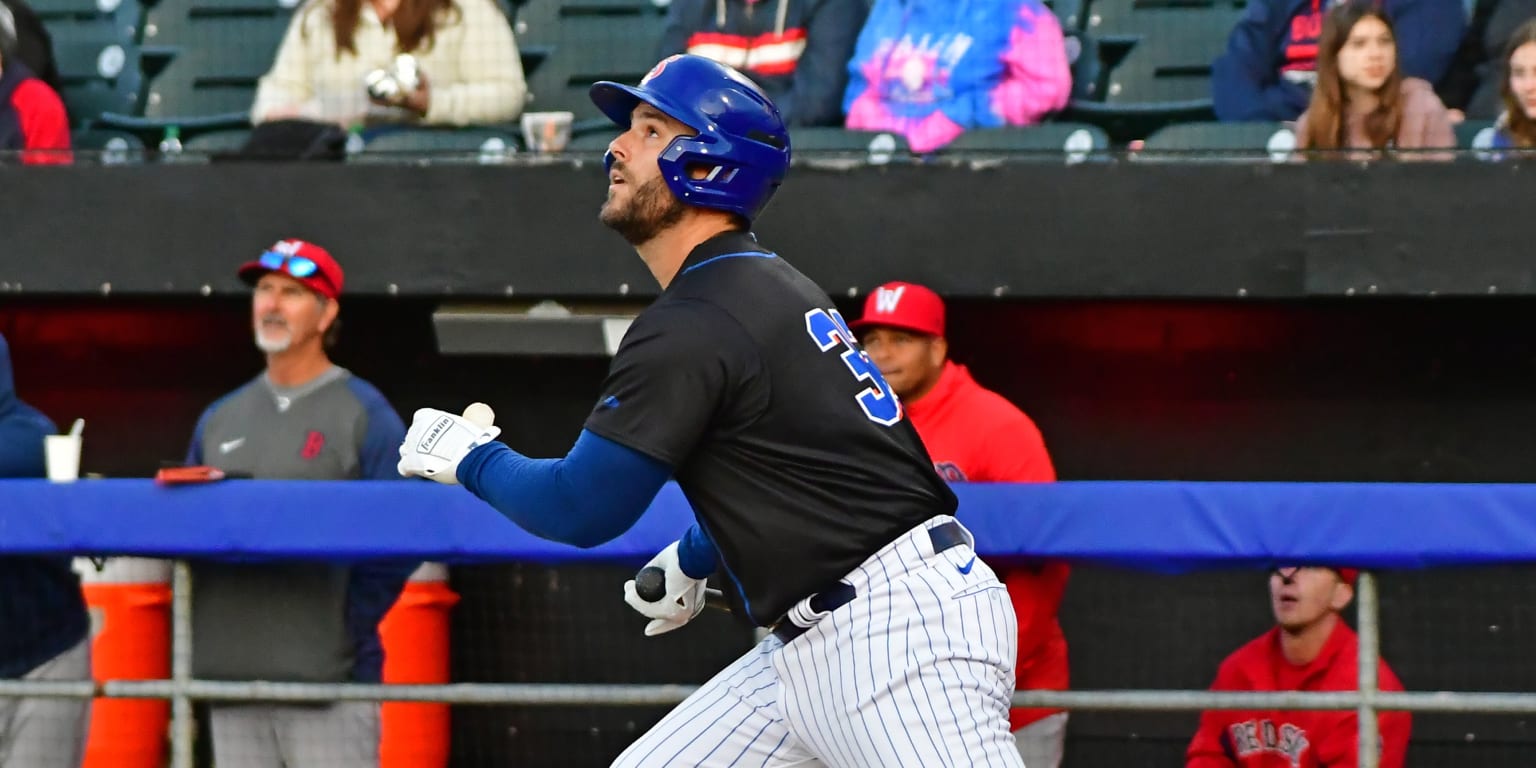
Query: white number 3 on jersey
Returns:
{"type": "Point", "coordinates": [828, 330]}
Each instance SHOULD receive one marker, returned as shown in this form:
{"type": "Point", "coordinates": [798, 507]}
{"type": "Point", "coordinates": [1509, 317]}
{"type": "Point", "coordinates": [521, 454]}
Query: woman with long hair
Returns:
{"type": "Point", "coordinates": [468, 65]}
{"type": "Point", "coordinates": [1362, 100]}
{"type": "Point", "coordinates": [1517, 126]}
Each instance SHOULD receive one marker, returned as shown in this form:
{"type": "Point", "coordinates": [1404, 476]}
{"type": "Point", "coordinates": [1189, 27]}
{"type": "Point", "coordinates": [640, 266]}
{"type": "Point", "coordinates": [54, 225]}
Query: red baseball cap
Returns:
{"type": "Point", "coordinates": [305, 262]}
{"type": "Point", "coordinates": [908, 306]}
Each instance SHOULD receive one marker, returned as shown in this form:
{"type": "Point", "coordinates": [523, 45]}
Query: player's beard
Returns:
{"type": "Point", "coordinates": [275, 343]}
{"type": "Point", "coordinates": [651, 209]}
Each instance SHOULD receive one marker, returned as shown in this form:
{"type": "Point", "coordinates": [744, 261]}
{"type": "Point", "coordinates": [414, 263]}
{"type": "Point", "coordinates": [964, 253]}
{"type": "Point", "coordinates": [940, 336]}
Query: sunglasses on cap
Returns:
{"type": "Point", "coordinates": [297, 266]}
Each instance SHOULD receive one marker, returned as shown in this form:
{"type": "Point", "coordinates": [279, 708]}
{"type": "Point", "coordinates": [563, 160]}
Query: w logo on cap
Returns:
{"type": "Point", "coordinates": [288, 247]}
{"type": "Point", "coordinates": [888, 299]}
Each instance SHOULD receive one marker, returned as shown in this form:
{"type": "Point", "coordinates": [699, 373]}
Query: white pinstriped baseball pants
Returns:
{"type": "Point", "coordinates": [916, 671]}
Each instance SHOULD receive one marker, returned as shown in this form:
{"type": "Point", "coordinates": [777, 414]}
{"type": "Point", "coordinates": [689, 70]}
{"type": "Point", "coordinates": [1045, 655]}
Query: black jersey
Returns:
{"type": "Point", "coordinates": [797, 458]}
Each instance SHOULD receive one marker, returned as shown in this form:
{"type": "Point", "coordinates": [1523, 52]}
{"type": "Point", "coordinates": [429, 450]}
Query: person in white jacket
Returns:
{"type": "Point", "coordinates": [464, 51]}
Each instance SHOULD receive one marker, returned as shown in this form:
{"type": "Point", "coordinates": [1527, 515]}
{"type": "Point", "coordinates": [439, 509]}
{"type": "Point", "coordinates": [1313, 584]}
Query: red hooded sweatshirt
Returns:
{"type": "Point", "coordinates": [975, 435]}
{"type": "Point", "coordinates": [1293, 738]}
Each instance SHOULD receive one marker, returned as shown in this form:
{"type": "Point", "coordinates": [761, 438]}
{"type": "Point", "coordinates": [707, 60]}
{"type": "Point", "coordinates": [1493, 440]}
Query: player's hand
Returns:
{"type": "Point", "coordinates": [683, 600]}
{"type": "Point", "coordinates": [438, 440]}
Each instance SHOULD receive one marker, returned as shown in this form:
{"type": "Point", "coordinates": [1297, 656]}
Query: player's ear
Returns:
{"type": "Point", "coordinates": [939, 349]}
{"type": "Point", "coordinates": [1342, 594]}
{"type": "Point", "coordinates": [329, 308]}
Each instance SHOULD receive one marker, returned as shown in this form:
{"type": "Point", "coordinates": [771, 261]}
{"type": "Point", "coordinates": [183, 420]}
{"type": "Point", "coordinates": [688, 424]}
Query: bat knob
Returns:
{"type": "Point", "coordinates": [651, 584]}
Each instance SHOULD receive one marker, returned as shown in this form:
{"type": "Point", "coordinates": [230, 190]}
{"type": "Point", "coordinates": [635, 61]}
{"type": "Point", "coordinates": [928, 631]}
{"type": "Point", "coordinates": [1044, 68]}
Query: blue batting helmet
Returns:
{"type": "Point", "coordinates": [741, 140]}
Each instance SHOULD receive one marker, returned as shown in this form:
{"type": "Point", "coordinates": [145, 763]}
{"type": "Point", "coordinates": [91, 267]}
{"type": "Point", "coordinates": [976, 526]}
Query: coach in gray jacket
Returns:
{"type": "Point", "coordinates": [303, 418]}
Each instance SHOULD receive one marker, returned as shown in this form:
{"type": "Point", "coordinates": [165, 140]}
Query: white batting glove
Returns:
{"type": "Point", "coordinates": [683, 600]}
{"type": "Point", "coordinates": [438, 440]}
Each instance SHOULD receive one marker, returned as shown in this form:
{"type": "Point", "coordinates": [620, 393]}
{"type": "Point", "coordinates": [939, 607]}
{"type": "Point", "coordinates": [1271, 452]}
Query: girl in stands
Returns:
{"type": "Point", "coordinates": [1362, 100]}
{"type": "Point", "coordinates": [463, 49]}
{"type": "Point", "coordinates": [1516, 128]}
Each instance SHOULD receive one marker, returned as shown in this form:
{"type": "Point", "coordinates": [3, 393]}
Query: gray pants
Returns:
{"type": "Point", "coordinates": [340, 735]}
{"type": "Point", "coordinates": [48, 733]}
{"type": "Point", "coordinates": [1042, 742]}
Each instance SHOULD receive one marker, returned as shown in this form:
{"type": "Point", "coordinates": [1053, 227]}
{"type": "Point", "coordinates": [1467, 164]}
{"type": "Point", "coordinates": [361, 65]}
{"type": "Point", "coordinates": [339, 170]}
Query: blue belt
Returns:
{"type": "Point", "coordinates": [946, 536]}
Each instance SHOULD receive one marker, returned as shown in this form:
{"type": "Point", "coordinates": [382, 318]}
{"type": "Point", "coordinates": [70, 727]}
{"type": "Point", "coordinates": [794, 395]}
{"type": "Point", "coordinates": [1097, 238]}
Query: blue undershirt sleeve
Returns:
{"type": "Point", "coordinates": [598, 491]}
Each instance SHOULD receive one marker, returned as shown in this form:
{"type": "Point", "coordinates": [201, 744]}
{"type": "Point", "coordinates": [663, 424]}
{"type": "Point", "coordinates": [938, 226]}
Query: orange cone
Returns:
{"type": "Point", "coordinates": [130, 605]}
{"type": "Point", "coordinates": [415, 638]}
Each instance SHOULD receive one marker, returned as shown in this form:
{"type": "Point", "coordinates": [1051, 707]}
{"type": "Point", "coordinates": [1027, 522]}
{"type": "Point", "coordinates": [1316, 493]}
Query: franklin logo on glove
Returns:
{"type": "Point", "coordinates": [435, 433]}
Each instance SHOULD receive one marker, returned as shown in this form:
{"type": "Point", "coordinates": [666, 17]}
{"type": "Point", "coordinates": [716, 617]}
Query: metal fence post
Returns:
{"type": "Point", "coordinates": [181, 665]}
{"type": "Point", "coordinates": [1368, 617]}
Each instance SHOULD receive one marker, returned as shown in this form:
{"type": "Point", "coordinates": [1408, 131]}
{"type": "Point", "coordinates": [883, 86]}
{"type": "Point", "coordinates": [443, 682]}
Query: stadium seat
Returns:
{"type": "Point", "coordinates": [1222, 141]}
{"type": "Point", "coordinates": [1474, 134]}
{"type": "Point", "coordinates": [106, 146]}
{"type": "Point", "coordinates": [1154, 59]}
{"type": "Point", "coordinates": [1072, 141]}
{"type": "Point", "coordinates": [202, 59]}
{"type": "Point", "coordinates": [577, 42]}
{"type": "Point", "coordinates": [842, 148]}
{"type": "Point", "coordinates": [462, 145]}
{"type": "Point", "coordinates": [217, 141]}
{"type": "Point", "coordinates": [95, 45]}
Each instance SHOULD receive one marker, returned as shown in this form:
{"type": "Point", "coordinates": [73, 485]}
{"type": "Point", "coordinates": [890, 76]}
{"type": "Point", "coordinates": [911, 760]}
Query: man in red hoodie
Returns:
{"type": "Point", "coordinates": [1310, 649]}
{"type": "Point", "coordinates": [974, 434]}
{"type": "Point", "coordinates": [32, 118]}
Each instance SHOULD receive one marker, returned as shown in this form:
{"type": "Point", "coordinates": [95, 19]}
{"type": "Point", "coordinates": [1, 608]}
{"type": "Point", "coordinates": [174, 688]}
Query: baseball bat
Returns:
{"type": "Point", "coordinates": [651, 585]}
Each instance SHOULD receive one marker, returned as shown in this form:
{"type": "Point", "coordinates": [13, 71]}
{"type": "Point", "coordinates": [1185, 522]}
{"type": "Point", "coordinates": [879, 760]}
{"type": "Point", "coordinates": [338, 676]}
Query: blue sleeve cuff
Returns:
{"type": "Point", "coordinates": [696, 553]}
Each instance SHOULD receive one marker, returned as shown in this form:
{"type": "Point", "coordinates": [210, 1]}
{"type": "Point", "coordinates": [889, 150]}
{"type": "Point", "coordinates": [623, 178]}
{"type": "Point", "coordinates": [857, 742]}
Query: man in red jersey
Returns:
{"type": "Point", "coordinates": [1309, 649]}
{"type": "Point", "coordinates": [974, 434]}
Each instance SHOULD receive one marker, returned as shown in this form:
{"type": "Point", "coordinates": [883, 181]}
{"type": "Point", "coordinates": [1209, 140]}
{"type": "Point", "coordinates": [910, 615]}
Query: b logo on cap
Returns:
{"type": "Point", "coordinates": [887, 299]}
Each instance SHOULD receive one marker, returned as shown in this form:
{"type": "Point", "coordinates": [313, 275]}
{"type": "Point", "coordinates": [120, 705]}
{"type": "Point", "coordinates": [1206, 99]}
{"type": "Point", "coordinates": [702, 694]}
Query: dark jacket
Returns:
{"type": "Point", "coordinates": [42, 612]}
{"type": "Point", "coordinates": [797, 50]}
{"type": "Point", "coordinates": [1476, 76]}
{"type": "Point", "coordinates": [1247, 81]}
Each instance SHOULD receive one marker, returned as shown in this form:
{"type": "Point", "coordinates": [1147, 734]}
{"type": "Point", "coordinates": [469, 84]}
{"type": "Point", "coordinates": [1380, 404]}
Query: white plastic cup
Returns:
{"type": "Point", "coordinates": [547, 132]}
{"type": "Point", "coordinates": [63, 456]}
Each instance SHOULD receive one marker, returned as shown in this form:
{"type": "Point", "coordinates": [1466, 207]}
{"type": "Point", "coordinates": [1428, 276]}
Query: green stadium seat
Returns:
{"type": "Point", "coordinates": [95, 43]}
{"type": "Point", "coordinates": [106, 146]}
{"type": "Point", "coordinates": [1154, 62]}
{"type": "Point", "coordinates": [1225, 140]}
{"type": "Point", "coordinates": [1073, 142]}
{"type": "Point", "coordinates": [577, 42]}
{"type": "Point", "coordinates": [1474, 134]}
{"type": "Point", "coordinates": [440, 145]}
{"type": "Point", "coordinates": [202, 59]}
{"type": "Point", "coordinates": [217, 141]}
{"type": "Point", "coordinates": [839, 147]}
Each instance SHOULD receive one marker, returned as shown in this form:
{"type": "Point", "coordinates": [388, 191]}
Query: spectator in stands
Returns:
{"type": "Point", "coordinates": [1517, 126]}
{"type": "Point", "coordinates": [303, 418]}
{"type": "Point", "coordinates": [1310, 649]}
{"type": "Point", "coordinates": [1471, 89]}
{"type": "Point", "coordinates": [933, 69]}
{"type": "Point", "coordinates": [1362, 99]}
{"type": "Point", "coordinates": [975, 435]}
{"type": "Point", "coordinates": [797, 50]}
{"type": "Point", "coordinates": [471, 72]}
{"type": "Point", "coordinates": [33, 44]}
{"type": "Point", "coordinates": [32, 119]}
{"type": "Point", "coordinates": [44, 629]}
{"type": "Point", "coordinates": [1270, 65]}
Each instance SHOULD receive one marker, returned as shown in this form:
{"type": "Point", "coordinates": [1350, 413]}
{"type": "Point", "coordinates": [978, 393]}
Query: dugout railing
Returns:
{"type": "Point", "coordinates": [1197, 522]}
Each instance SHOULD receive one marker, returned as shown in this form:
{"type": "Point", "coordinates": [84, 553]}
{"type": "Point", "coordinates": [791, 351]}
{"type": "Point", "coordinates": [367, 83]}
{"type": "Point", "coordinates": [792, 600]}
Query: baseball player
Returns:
{"type": "Point", "coordinates": [1310, 649]}
{"type": "Point", "coordinates": [891, 644]}
{"type": "Point", "coordinates": [976, 435]}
